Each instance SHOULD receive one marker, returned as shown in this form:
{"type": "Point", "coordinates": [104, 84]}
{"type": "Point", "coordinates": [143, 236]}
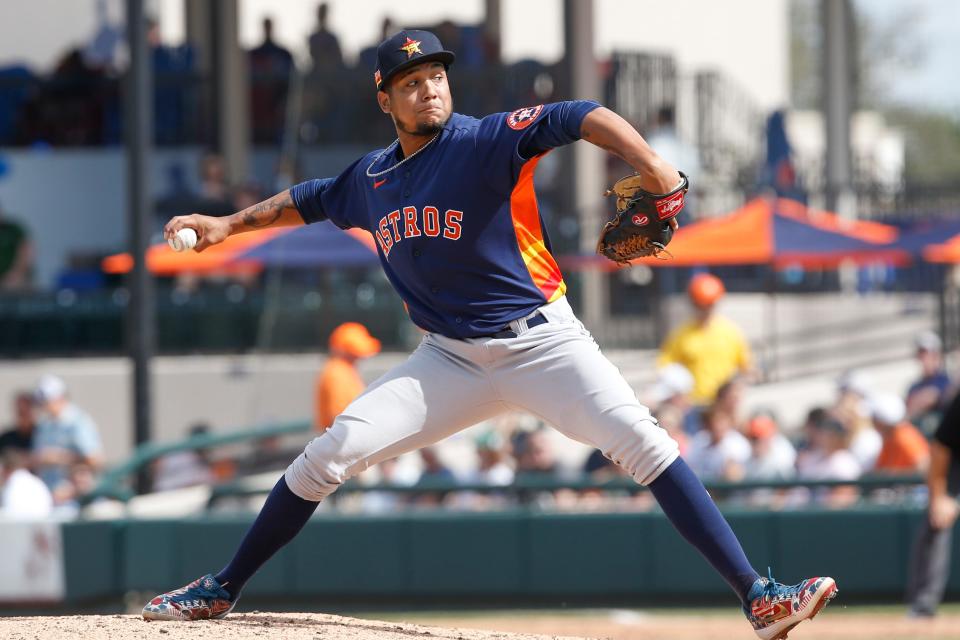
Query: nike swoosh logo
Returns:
{"type": "Point", "coordinates": [377, 183]}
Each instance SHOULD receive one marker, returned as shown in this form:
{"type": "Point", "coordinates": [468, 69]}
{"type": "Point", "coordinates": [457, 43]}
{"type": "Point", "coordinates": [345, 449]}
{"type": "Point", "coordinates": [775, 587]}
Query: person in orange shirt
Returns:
{"type": "Point", "coordinates": [339, 382]}
{"type": "Point", "coordinates": [905, 450]}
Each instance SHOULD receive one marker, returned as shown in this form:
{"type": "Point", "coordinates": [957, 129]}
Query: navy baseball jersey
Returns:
{"type": "Point", "coordinates": [457, 225]}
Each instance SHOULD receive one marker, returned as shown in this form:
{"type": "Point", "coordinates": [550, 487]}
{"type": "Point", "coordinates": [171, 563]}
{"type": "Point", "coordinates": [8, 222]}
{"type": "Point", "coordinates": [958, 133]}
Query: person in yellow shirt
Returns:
{"type": "Point", "coordinates": [339, 382]}
{"type": "Point", "coordinates": [710, 346]}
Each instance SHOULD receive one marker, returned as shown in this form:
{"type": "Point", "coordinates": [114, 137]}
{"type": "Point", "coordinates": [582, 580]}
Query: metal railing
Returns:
{"type": "Point", "coordinates": [115, 483]}
{"type": "Point", "coordinates": [534, 483]}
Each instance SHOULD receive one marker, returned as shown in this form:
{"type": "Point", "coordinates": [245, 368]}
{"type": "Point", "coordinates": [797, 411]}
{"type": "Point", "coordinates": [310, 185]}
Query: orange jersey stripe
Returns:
{"type": "Point", "coordinates": [526, 224]}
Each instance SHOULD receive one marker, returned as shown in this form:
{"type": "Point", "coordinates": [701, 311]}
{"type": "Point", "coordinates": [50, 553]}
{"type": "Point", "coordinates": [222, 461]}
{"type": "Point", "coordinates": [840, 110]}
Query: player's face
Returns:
{"type": "Point", "coordinates": [418, 99]}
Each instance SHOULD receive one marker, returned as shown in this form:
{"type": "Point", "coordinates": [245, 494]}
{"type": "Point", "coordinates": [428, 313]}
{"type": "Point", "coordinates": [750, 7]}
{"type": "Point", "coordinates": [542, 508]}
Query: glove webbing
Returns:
{"type": "Point", "coordinates": [636, 247]}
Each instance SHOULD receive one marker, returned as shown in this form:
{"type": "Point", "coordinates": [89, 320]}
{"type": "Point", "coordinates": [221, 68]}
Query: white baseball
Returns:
{"type": "Point", "coordinates": [185, 239]}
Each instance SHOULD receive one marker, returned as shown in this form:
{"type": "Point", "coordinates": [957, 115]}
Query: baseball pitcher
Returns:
{"type": "Point", "coordinates": [452, 207]}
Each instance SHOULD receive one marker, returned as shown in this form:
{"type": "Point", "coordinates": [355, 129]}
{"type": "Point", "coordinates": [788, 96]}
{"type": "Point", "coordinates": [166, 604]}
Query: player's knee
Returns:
{"type": "Point", "coordinates": [315, 474]}
{"type": "Point", "coordinates": [643, 450]}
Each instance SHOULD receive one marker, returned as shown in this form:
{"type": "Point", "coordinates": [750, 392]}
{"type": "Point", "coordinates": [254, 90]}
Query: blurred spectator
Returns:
{"type": "Point", "coordinates": [68, 496]}
{"type": "Point", "coordinates": [930, 560]}
{"type": "Point", "coordinates": [533, 453]}
{"type": "Point", "coordinates": [171, 65]}
{"type": "Point", "coordinates": [367, 59]}
{"type": "Point", "coordinates": [270, 68]}
{"type": "Point", "coordinates": [213, 180]}
{"type": "Point", "coordinates": [905, 450]}
{"type": "Point", "coordinates": [672, 391]}
{"type": "Point", "coordinates": [729, 399]}
{"type": "Point", "coordinates": [927, 397]}
{"type": "Point", "coordinates": [324, 45]}
{"type": "Point", "coordinates": [65, 435]}
{"type": "Point", "coordinates": [16, 255]}
{"type": "Point", "coordinates": [719, 451]}
{"type": "Point", "coordinates": [267, 454]}
{"type": "Point", "coordinates": [805, 447]}
{"type": "Point", "coordinates": [215, 197]}
{"type": "Point", "coordinates": [69, 107]}
{"type": "Point", "coordinates": [434, 472]}
{"type": "Point", "coordinates": [102, 52]}
{"type": "Point", "coordinates": [710, 346]}
{"type": "Point", "coordinates": [671, 418]}
{"type": "Point", "coordinates": [829, 459]}
{"type": "Point", "coordinates": [391, 474]}
{"type": "Point", "coordinates": [599, 467]}
{"type": "Point", "coordinates": [339, 382]}
{"type": "Point", "coordinates": [19, 436]}
{"type": "Point", "coordinates": [772, 456]}
{"type": "Point", "coordinates": [852, 408]}
{"type": "Point", "coordinates": [778, 172]}
{"type": "Point", "coordinates": [19, 83]}
{"type": "Point", "coordinates": [492, 466]}
{"type": "Point", "coordinates": [22, 494]}
{"type": "Point", "coordinates": [535, 460]}
{"type": "Point", "coordinates": [184, 468]}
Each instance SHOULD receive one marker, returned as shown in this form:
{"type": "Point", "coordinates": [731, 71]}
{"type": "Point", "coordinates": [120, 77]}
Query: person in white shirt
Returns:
{"type": "Point", "coordinates": [772, 457]}
{"type": "Point", "coordinates": [65, 435]}
{"type": "Point", "coordinates": [718, 452]}
{"type": "Point", "coordinates": [830, 459]}
{"type": "Point", "coordinates": [23, 496]}
{"type": "Point", "coordinates": [854, 389]}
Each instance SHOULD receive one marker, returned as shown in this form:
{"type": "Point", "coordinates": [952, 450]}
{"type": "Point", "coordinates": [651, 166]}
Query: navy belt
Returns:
{"type": "Point", "coordinates": [509, 332]}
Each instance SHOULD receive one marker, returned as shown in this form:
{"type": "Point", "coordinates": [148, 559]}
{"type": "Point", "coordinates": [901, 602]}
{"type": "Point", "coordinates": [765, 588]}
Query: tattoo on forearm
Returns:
{"type": "Point", "coordinates": [586, 135]}
{"type": "Point", "coordinates": [267, 212]}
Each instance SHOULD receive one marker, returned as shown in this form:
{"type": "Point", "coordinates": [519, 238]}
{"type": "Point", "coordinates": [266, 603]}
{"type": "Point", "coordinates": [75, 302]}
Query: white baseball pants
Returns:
{"type": "Point", "coordinates": [554, 371]}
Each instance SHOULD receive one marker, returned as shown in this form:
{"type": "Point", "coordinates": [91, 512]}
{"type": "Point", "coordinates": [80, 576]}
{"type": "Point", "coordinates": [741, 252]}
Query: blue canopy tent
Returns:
{"type": "Point", "coordinates": [315, 245]}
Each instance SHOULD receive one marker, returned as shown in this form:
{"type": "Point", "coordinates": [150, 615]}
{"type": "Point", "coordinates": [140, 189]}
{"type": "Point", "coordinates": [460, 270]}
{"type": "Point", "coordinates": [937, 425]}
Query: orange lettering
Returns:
{"type": "Point", "coordinates": [410, 229]}
{"type": "Point", "coordinates": [431, 221]}
{"type": "Point", "coordinates": [383, 236]}
{"type": "Point", "coordinates": [452, 228]}
{"type": "Point", "coordinates": [394, 218]}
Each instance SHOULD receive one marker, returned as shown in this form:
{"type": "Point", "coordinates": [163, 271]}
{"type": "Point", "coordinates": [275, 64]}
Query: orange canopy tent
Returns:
{"type": "Point", "coordinates": [948, 251]}
{"type": "Point", "coordinates": [304, 246]}
{"type": "Point", "coordinates": [781, 233]}
{"type": "Point", "coordinates": [223, 257]}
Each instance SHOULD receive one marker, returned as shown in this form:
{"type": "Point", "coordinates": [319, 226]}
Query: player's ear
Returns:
{"type": "Point", "coordinates": [383, 99]}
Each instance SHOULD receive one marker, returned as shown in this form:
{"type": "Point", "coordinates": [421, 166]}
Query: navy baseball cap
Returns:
{"type": "Point", "coordinates": [406, 49]}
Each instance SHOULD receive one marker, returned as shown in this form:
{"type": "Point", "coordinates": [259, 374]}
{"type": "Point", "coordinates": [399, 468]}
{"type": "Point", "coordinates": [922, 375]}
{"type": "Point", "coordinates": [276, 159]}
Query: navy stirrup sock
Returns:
{"type": "Point", "coordinates": [693, 513]}
{"type": "Point", "coordinates": [680, 493]}
{"type": "Point", "coordinates": [282, 517]}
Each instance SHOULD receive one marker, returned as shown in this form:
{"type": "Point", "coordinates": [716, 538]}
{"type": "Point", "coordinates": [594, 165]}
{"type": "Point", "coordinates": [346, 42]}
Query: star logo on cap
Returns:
{"type": "Point", "coordinates": [411, 47]}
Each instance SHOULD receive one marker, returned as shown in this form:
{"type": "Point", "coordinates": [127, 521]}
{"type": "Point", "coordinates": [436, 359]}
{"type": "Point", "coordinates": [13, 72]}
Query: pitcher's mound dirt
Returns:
{"type": "Point", "coordinates": [242, 626]}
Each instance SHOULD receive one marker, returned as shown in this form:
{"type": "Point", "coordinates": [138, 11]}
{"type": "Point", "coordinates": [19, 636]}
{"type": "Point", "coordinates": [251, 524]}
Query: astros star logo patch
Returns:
{"type": "Point", "coordinates": [411, 47]}
{"type": "Point", "coordinates": [523, 118]}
